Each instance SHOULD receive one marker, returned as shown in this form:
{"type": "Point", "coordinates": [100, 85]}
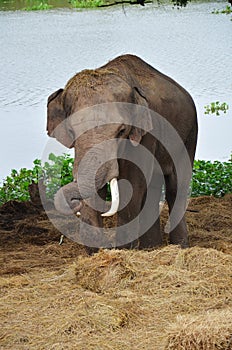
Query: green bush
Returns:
{"type": "Point", "coordinates": [209, 178]}
{"type": "Point", "coordinates": [86, 3]}
{"type": "Point", "coordinates": [40, 6]}
{"type": "Point", "coordinates": [56, 173]}
{"type": "Point", "coordinates": [15, 186]}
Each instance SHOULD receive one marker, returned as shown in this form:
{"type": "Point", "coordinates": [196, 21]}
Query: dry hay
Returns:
{"type": "Point", "coordinates": [117, 300]}
{"type": "Point", "coordinates": [209, 331]}
{"type": "Point", "coordinates": [209, 222]}
{"type": "Point", "coordinates": [90, 78]}
{"type": "Point", "coordinates": [59, 297]}
{"type": "Point", "coordinates": [214, 214]}
{"type": "Point", "coordinates": [113, 299]}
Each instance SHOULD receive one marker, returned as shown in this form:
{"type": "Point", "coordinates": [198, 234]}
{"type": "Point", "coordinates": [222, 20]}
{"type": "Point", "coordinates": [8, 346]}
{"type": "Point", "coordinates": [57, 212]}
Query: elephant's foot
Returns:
{"type": "Point", "coordinates": [91, 251]}
{"type": "Point", "coordinates": [183, 243]}
{"type": "Point", "coordinates": [127, 234]}
{"type": "Point", "coordinates": [131, 245]}
{"type": "Point", "coordinates": [179, 235]}
{"type": "Point", "coordinates": [151, 238]}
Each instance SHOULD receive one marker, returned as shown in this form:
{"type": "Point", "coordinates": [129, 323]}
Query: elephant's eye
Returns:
{"type": "Point", "coordinates": [121, 131]}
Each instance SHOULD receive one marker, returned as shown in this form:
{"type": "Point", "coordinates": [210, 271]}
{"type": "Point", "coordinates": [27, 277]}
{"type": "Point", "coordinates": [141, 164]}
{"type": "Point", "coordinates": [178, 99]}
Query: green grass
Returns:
{"type": "Point", "coordinates": [209, 178]}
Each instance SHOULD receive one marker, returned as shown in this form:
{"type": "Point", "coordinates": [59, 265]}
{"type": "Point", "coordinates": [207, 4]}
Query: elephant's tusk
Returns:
{"type": "Point", "coordinates": [61, 239]}
{"type": "Point", "coordinates": [115, 198]}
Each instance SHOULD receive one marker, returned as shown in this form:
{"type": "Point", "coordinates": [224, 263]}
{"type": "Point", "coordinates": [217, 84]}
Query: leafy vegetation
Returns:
{"type": "Point", "coordinates": [54, 174]}
{"type": "Point", "coordinates": [16, 185]}
{"type": "Point", "coordinates": [216, 108]}
{"type": "Point", "coordinates": [227, 10]}
{"type": "Point", "coordinates": [57, 172]}
{"type": "Point", "coordinates": [180, 3]}
{"type": "Point", "coordinates": [38, 6]}
{"type": "Point", "coordinates": [86, 3]}
{"type": "Point", "coordinates": [101, 3]}
{"type": "Point", "coordinates": [212, 178]}
{"type": "Point", "coordinates": [209, 178]}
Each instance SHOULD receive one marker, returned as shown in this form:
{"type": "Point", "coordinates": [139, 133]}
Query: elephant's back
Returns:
{"type": "Point", "coordinates": [157, 86]}
{"type": "Point", "coordinates": [163, 94]}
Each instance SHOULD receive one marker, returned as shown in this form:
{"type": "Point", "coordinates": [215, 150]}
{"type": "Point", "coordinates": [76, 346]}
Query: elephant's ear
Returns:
{"type": "Point", "coordinates": [142, 118]}
{"type": "Point", "coordinates": [56, 120]}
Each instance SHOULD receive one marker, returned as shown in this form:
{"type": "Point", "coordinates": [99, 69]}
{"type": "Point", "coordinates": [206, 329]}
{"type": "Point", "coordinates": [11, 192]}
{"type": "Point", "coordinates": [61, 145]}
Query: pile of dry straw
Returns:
{"type": "Point", "coordinates": [59, 297]}
{"type": "Point", "coordinates": [164, 299]}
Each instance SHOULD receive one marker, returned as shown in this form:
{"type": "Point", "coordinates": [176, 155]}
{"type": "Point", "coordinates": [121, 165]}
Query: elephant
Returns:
{"type": "Point", "coordinates": [153, 101]}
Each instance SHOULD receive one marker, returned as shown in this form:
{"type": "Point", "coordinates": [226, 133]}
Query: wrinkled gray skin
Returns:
{"type": "Point", "coordinates": [125, 79]}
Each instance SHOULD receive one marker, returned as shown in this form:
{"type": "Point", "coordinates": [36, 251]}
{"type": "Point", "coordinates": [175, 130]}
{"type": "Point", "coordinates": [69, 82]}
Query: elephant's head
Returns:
{"type": "Point", "coordinates": [86, 115]}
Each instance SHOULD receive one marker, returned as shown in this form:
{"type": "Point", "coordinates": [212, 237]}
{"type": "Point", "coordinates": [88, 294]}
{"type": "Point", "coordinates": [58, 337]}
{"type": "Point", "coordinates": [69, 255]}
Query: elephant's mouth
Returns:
{"type": "Point", "coordinates": [77, 208]}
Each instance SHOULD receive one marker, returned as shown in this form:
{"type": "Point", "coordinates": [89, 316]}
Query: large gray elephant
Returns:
{"type": "Point", "coordinates": [153, 113]}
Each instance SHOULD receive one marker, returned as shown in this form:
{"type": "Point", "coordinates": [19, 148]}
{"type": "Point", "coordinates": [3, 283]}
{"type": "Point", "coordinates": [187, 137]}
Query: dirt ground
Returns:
{"type": "Point", "coordinates": [62, 297]}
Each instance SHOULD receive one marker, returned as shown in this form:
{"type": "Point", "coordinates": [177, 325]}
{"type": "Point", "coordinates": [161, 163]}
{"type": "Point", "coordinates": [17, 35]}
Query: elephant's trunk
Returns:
{"type": "Point", "coordinates": [98, 166]}
{"type": "Point", "coordinates": [69, 201]}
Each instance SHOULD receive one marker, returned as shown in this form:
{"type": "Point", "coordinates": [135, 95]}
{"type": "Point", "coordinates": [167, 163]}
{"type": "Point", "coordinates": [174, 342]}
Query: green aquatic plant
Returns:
{"type": "Point", "coordinates": [216, 108]}
{"type": "Point", "coordinates": [180, 3]}
{"type": "Point", "coordinates": [227, 10]}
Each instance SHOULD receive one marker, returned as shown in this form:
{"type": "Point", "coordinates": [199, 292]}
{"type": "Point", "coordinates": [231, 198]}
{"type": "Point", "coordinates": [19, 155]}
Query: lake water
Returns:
{"type": "Point", "coordinates": [40, 51]}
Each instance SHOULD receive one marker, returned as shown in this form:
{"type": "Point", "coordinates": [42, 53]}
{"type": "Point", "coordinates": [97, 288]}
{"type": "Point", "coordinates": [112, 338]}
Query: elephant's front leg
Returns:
{"type": "Point", "coordinates": [139, 221]}
{"type": "Point", "coordinates": [128, 228]}
{"type": "Point", "coordinates": [150, 233]}
{"type": "Point", "coordinates": [131, 192]}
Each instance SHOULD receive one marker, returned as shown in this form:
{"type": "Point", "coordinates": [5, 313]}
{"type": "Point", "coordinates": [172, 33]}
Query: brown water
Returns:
{"type": "Point", "coordinates": [41, 50]}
